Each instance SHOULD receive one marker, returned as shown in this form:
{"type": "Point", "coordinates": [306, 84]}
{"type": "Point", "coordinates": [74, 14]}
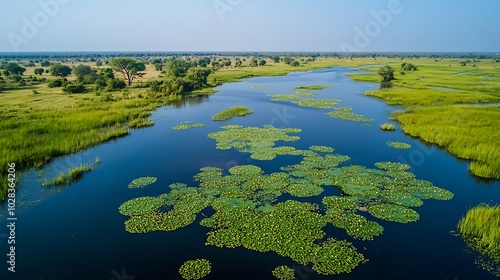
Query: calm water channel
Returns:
{"type": "Point", "coordinates": [77, 232]}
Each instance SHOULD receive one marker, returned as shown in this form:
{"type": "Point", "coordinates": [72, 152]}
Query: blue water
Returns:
{"type": "Point", "coordinates": [77, 232]}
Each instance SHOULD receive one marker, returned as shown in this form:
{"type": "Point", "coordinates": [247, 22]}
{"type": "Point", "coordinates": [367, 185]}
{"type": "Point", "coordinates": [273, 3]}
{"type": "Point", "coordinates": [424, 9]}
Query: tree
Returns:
{"type": "Point", "coordinates": [130, 68]}
{"type": "Point", "coordinates": [85, 74]}
{"type": "Point", "coordinates": [178, 67]}
{"type": "Point", "coordinates": [262, 62]}
{"type": "Point", "coordinates": [387, 74]}
{"type": "Point", "coordinates": [60, 70]}
{"type": "Point", "coordinates": [14, 68]}
{"type": "Point", "coordinates": [254, 62]}
{"type": "Point", "coordinates": [198, 77]}
{"type": "Point", "coordinates": [275, 58]}
{"type": "Point", "coordinates": [295, 63]}
{"type": "Point", "coordinates": [98, 63]}
{"type": "Point", "coordinates": [45, 63]}
{"type": "Point", "coordinates": [39, 71]}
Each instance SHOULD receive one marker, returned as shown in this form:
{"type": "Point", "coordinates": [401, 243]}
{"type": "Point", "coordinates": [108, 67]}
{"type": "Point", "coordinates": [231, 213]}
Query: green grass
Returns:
{"type": "Point", "coordinates": [231, 112]}
{"type": "Point", "coordinates": [387, 127]}
{"type": "Point", "coordinates": [469, 132]}
{"type": "Point", "coordinates": [140, 123]}
{"type": "Point", "coordinates": [66, 178]}
{"type": "Point", "coordinates": [313, 87]}
{"type": "Point", "coordinates": [481, 230]}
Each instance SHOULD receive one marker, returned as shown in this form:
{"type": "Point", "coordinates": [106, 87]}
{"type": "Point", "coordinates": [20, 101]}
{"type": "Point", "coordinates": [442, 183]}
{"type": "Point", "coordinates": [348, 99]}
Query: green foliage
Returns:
{"type": "Point", "coordinates": [393, 213]}
{"type": "Point", "coordinates": [60, 70]}
{"type": "Point", "coordinates": [73, 88]}
{"type": "Point", "coordinates": [85, 74]}
{"type": "Point", "coordinates": [477, 136]}
{"type": "Point", "coordinates": [195, 269]}
{"type": "Point", "coordinates": [344, 113]}
{"type": "Point", "coordinates": [178, 67]}
{"type": "Point", "coordinates": [66, 178]}
{"type": "Point", "coordinates": [398, 145]}
{"type": "Point", "coordinates": [480, 229]}
{"type": "Point", "coordinates": [387, 127]}
{"type": "Point", "coordinates": [231, 112]}
{"type": "Point", "coordinates": [198, 77]}
{"type": "Point", "coordinates": [187, 125]}
{"type": "Point", "coordinates": [38, 71]}
{"type": "Point", "coordinates": [129, 67]}
{"type": "Point", "coordinates": [141, 182]}
{"type": "Point", "coordinates": [14, 68]}
{"type": "Point", "coordinates": [313, 87]}
{"type": "Point", "coordinates": [140, 123]}
{"type": "Point", "coordinates": [284, 273]}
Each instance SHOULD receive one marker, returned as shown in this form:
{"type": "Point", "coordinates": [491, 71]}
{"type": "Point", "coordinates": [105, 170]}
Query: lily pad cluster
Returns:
{"type": "Point", "coordinates": [260, 142]}
{"type": "Point", "coordinates": [259, 86]}
{"type": "Point", "coordinates": [195, 269]}
{"type": "Point", "coordinates": [250, 209]}
{"type": "Point", "coordinates": [313, 87]}
{"type": "Point", "coordinates": [284, 273]}
{"type": "Point", "coordinates": [398, 145]}
{"type": "Point", "coordinates": [231, 112]}
{"type": "Point", "coordinates": [317, 103]}
{"type": "Point", "coordinates": [344, 113]}
{"type": "Point", "coordinates": [187, 125]}
{"type": "Point", "coordinates": [141, 182]}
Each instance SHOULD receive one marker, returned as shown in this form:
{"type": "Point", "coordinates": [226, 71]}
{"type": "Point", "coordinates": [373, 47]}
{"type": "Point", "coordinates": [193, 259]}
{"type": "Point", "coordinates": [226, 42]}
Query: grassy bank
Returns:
{"type": "Point", "coordinates": [436, 95]}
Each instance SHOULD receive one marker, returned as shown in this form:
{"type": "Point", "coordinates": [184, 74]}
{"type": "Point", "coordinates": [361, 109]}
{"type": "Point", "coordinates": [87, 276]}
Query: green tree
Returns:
{"type": "Point", "coordinates": [275, 58]}
{"type": "Point", "coordinates": [14, 68]}
{"type": "Point", "coordinates": [178, 67]}
{"type": "Point", "coordinates": [295, 63]}
{"type": "Point", "coordinates": [60, 70]}
{"type": "Point", "coordinates": [198, 77]}
{"type": "Point", "coordinates": [98, 63]}
{"type": "Point", "coordinates": [262, 62]}
{"type": "Point", "coordinates": [85, 74]}
{"type": "Point", "coordinates": [130, 68]}
{"type": "Point", "coordinates": [254, 62]}
{"type": "Point", "coordinates": [45, 63]}
{"type": "Point", "coordinates": [387, 74]}
{"type": "Point", "coordinates": [39, 71]}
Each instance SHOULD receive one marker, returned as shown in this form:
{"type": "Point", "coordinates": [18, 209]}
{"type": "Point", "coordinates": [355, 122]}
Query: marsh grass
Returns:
{"type": "Point", "coordinates": [231, 112]}
{"type": "Point", "coordinates": [313, 87]}
{"type": "Point", "coordinates": [72, 175]}
{"type": "Point", "coordinates": [140, 123]}
{"type": "Point", "coordinates": [469, 132]}
{"type": "Point", "coordinates": [398, 145]}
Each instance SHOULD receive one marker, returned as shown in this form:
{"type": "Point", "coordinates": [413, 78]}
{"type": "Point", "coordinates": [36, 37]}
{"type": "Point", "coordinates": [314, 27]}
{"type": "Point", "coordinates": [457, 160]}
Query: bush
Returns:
{"type": "Point", "coordinates": [56, 83]}
{"type": "Point", "coordinates": [74, 88]}
{"type": "Point", "coordinates": [115, 84]}
{"type": "Point", "coordinates": [388, 127]}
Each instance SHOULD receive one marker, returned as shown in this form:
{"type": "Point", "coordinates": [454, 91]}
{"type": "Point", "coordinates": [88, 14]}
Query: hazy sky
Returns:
{"type": "Point", "coordinates": [249, 25]}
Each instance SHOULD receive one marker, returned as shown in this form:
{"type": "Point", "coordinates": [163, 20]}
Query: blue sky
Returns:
{"type": "Point", "coordinates": [249, 25]}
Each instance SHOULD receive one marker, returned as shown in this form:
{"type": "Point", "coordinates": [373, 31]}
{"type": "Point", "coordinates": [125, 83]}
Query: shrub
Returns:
{"type": "Point", "coordinates": [74, 88]}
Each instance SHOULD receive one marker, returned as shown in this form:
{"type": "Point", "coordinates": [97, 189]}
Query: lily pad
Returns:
{"type": "Point", "coordinates": [195, 269]}
{"type": "Point", "coordinates": [142, 182]}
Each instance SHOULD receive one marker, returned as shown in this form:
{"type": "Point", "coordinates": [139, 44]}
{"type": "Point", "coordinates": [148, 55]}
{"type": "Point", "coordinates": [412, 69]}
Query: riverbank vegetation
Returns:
{"type": "Point", "coordinates": [480, 229]}
{"type": "Point", "coordinates": [441, 97]}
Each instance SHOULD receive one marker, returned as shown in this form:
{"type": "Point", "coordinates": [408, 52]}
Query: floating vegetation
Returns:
{"type": "Point", "coordinates": [393, 213]}
{"type": "Point", "coordinates": [248, 211]}
{"type": "Point", "coordinates": [387, 127]}
{"type": "Point", "coordinates": [398, 145]}
{"type": "Point", "coordinates": [480, 228]}
{"type": "Point", "coordinates": [313, 87]}
{"type": "Point", "coordinates": [187, 125]}
{"type": "Point", "coordinates": [66, 178]}
{"type": "Point", "coordinates": [321, 149]}
{"type": "Point", "coordinates": [344, 113]}
{"type": "Point", "coordinates": [283, 97]}
{"type": "Point", "coordinates": [259, 87]}
{"type": "Point", "coordinates": [257, 141]}
{"type": "Point", "coordinates": [317, 103]}
{"type": "Point", "coordinates": [231, 112]}
{"type": "Point", "coordinates": [195, 269]}
{"type": "Point", "coordinates": [284, 273]}
{"type": "Point", "coordinates": [141, 182]}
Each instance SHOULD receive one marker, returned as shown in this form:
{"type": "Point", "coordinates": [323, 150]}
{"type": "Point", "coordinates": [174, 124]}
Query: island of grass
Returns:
{"type": "Point", "coordinates": [387, 127]}
{"type": "Point", "coordinates": [66, 178]}
{"type": "Point", "coordinates": [480, 229]}
{"type": "Point", "coordinates": [231, 112]}
{"type": "Point", "coordinates": [313, 87]}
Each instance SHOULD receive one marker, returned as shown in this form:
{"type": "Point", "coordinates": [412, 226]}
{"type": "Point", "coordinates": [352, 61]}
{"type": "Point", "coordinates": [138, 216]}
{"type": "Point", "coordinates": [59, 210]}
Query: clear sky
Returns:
{"type": "Point", "coordinates": [250, 25]}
